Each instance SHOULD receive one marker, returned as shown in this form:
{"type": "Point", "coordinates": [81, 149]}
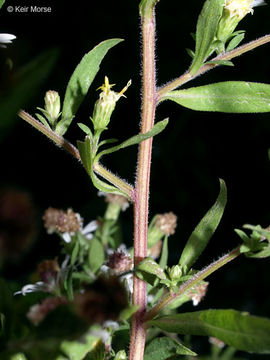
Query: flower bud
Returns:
{"type": "Point", "coordinates": [175, 272]}
{"type": "Point", "coordinates": [105, 105]}
{"type": "Point", "coordinates": [52, 105]}
{"type": "Point", "coordinates": [121, 355]}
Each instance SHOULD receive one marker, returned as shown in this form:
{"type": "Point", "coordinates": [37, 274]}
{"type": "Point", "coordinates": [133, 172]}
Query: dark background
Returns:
{"type": "Point", "coordinates": [188, 158]}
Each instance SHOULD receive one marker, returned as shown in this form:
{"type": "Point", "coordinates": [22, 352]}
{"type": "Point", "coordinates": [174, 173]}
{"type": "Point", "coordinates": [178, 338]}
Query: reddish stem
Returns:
{"type": "Point", "coordinates": [138, 331]}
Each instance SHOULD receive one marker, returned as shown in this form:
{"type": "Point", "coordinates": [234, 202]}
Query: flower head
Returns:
{"type": "Point", "coordinates": [233, 12]}
{"type": "Point", "coordinates": [105, 105]}
{"type": "Point", "coordinates": [67, 223]}
{"type": "Point", "coordinates": [6, 39]}
{"type": "Point", "coordinates": [197, 293]}
{"type": "Point", "coordinates": [241, 8]}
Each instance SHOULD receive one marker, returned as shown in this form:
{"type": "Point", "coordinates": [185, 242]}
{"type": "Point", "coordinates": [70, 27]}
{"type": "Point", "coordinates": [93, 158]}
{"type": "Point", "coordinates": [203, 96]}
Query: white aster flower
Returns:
{"type": "Point", "coordinates": [111, 324]}
{"type": "Point", "coordinates": [6, 39]}
{"type": "Point", "coordinates": [241, 8]}
{"type": "Point", "coordinates": [87, 231]}
{"type": "Point", "coordinates": [38, 286]}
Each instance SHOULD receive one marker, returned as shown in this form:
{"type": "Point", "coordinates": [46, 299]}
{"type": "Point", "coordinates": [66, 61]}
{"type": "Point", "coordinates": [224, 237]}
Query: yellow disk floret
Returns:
{"type": "Point", "coordinates": [241, 8]}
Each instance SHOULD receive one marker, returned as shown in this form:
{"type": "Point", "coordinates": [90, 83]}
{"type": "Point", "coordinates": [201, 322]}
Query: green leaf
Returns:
{"type": "Point", "coordinates": [68, 284]}
{"type": "Point", "coordinates": [148, 265]}
{"type": "Point", "coordinates": [86, 158]}
{"type": "Point", "coordinates": [2, 3]}
{"type": "Point", "coordinates": [43, 120]}
{"type": "Point", "coordinates": [205, 32]}
{"type": "Point", "coordinates": [190, 53]}
{"type": "Point", "coordinates": [258, 245]}
{"type": "Point", "coordinates": [96, 254]}
{"type": "Point", "coordinates": [136, 139]}
{"type": "Point", "coordinates": [165, 347]}
{"type": "Point", "coordinates": [80, 82]}
{"type": "Point", "coordinates": [242, 235]}
{"type": "Point", "coordinates": [228, 97]}
{"type": "Point", "coordinates": [77, 350]}
{"type": "Point", "coordinates": [75, 252]}
{"type": "Point", "coordinates": [2, 323]}
{"type": "Point", "coordinates": [235, 41]}
{"type": "Point", "coordinates": [107, 141]}
{"type": "Point", "coordinates": [164, 254]}
{"type": "Point", "coordinates": [86, 154]}
{"type": "Point", "coordinates": [204, 230]}
{"type": "Point", "coordinates": [221, 62]}
{"type": "Point", "coordinates": [19, 356]}
{"type": "Point", "coordinates": [263, 232]}
{"type": "Point", "coordinates": [27, 80]}
{"type": "Point", "coordinates": [98, 353]}
{"type": "Point", "coordinates": [237, 329]}
{"type": "Point", "coordinates": [85, 129]}
{"type": "Point", "coordinates": [128, 312]}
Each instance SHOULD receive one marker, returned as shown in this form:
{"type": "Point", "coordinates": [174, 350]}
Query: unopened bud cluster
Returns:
{"type": "Point", "coordinates": [119, 262]}
{"type": "Point", "coordinates": [175, 272]}
{"type": "Point", "coordinates": [56, 220]}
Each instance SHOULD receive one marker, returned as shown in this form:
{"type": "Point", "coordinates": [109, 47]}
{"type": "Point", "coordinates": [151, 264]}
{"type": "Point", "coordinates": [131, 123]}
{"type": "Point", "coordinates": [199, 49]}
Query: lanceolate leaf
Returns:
{"type": "Point", "coordinates": [1, 3]}
{"type": "Point", "coordinates": [80, 82]}
{"type": "Point", "coordinates": [149, 271]}
{"type": "Point", "coordinates": [204, 230]}
{"type": "Point", "coordinates": [205, 32]}
{"type": "Point", "coordinates": [86, 158]}
{"type": "Point", "coordinates": [235, 41]}
{"type": "Point", "coordinates": [164, 254]}
{"type": "Point", "coordinates": [228, 97]}
{"type": "Point", "coordinates": [237, 329]}
{"type": "Point", "coordinates": [136, 139]}
{"type": "Point", "coordinates": [96, 255]}
{"type": "Point", "coordinates": [163, 348]}
{"type": "Point", "coordinates": [221, 62]}
{"type": "Point", "coordinates": [77, 350]}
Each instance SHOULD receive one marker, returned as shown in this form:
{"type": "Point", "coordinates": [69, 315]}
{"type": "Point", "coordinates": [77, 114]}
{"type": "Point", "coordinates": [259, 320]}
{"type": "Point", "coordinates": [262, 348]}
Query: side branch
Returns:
{"type": "Point", "coordinates": [71, 149]}
{"type": "Point", "coordinates": [201, 275]}
{"type": "Point", "coordinates": [58, 140]}
{"type": "Point", "coordinates": [227, 56]}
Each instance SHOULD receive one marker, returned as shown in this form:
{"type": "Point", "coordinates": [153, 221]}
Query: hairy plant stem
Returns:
{"type": "Point", "coordinates": [138, 331]}
{"type": "Point", "coordinates": [201, 275]}
{"type": "Point", "coordinates": [66, 145]}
